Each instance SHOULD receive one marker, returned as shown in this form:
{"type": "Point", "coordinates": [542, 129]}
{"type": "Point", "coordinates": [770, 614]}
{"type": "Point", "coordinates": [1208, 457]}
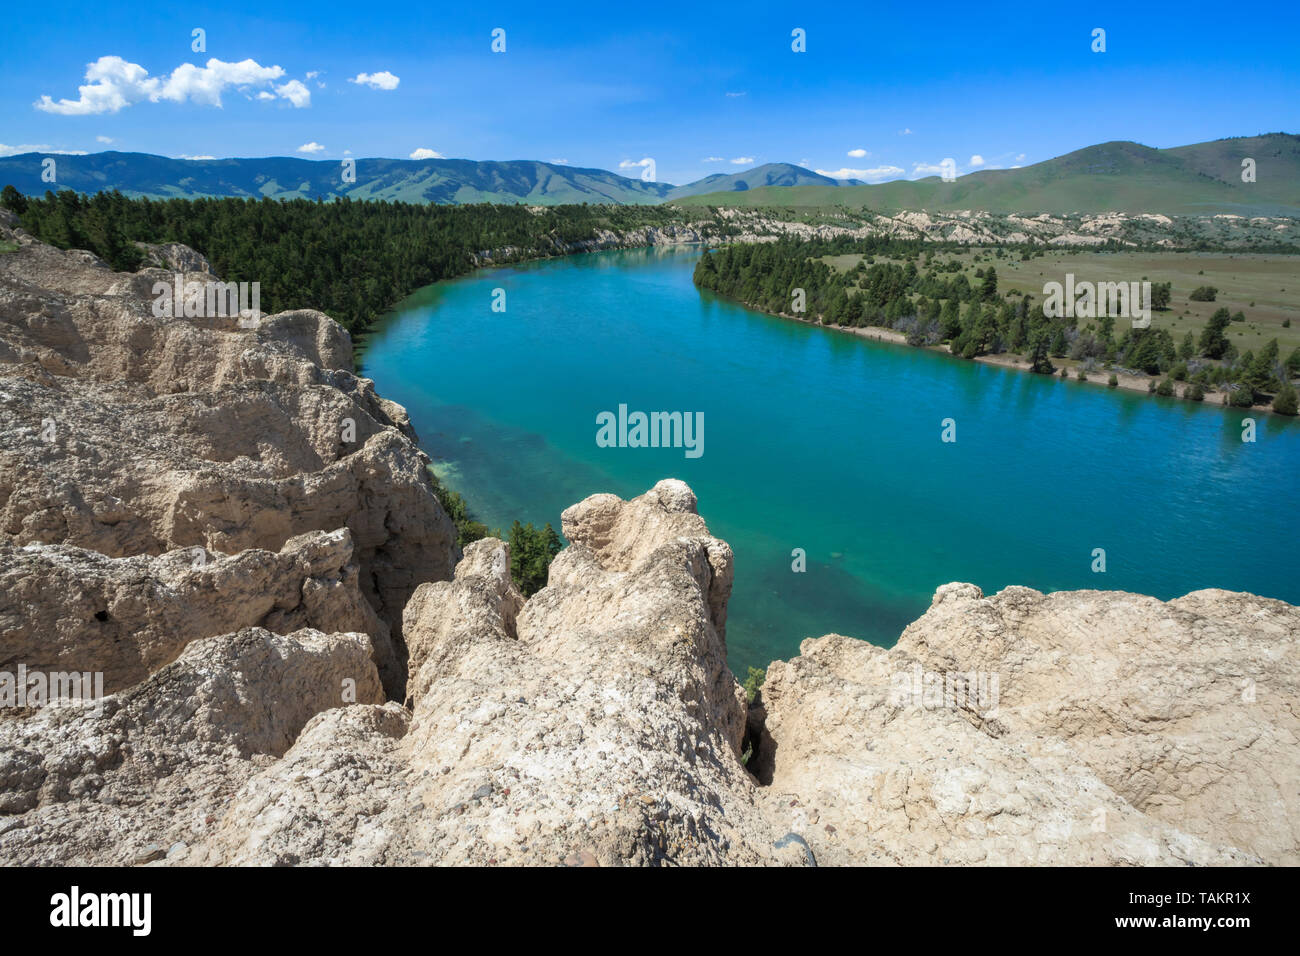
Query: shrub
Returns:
{"type": "Point", "coordinates": [1081, 375]}
{"type": "Point", "coordinates": [1194, 392]}
{"type": "Point", "coordinates": [531, 551]}
{"type": "Point", "coordinates": [12, 199]}
{"type": "Point", "coordinates": [1165, 388]}
{"type": "Point", "coordinates": [753, 681]}
{"type": "Point", "coordinates": [1113, 381]}
{"type": "Point", "coordinates": [1285, 402]}
{"type": "Point", "coordinates": [1203, 293]}
{"type": "Point", "coordinates": [1243, 396]}
{"type": "Point", "coordinates": [468, 530]}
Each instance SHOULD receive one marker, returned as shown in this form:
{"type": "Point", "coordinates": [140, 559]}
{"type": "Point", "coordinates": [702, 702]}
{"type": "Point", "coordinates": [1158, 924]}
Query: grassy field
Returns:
{"type": "Point", "coordinates": [1265, 287]}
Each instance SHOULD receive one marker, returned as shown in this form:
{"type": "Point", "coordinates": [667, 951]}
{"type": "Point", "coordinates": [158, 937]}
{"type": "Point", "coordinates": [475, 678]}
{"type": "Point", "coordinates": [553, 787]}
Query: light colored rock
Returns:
{"type": "Point", "coordinates": [597, 725]}
{"type": "Point", "coordinates": [159, 763]}
{"type": "Point", "coordinates": [1120, 734]}
{"type": "Point", "coordinates": [174, 257]}
{"type": "Point", "coordinates": [131, 434]}
{"type": "Point", "coordinates": [69, 609]}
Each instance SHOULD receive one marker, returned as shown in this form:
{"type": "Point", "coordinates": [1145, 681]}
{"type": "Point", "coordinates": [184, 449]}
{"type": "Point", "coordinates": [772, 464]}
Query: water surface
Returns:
{"type": "Point", "coordinates": [825, 441]}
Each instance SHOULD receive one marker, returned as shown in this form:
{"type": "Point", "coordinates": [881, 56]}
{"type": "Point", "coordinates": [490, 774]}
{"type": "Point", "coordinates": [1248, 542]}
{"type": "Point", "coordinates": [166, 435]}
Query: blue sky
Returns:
{"type": "Point", "coordinates": [888, 91]}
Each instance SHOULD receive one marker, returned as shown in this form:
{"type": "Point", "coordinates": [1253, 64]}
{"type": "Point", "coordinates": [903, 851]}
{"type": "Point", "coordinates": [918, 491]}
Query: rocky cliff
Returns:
{"type": "Point", "coordinates": [125, 435]}
{"type": "Point", "coordinates": [232, 528]}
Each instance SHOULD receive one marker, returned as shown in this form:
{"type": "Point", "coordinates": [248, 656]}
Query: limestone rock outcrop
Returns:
{"type": "Point", "coordinates": [64, 608]}
{"type": "Point", "coordinates": [128, 433]}
{"type": "Point", "coordinates": [149, 770]}
{"type": "Point", "coordinates": [1077, 728]}
{"type": "Point", "coordinates": [595, 724]}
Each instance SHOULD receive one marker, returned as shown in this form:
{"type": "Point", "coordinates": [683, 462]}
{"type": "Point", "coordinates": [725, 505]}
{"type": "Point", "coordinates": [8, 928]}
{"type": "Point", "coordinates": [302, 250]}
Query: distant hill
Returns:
{"type": "Point", "coordinates": [1204, 178]}
{"type": "Point", "coordinates": [445, 181]}
{"type": "Point", "coordinates": [760, 177]}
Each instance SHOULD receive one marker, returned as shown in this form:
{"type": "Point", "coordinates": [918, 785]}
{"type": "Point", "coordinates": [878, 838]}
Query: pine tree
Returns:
{"type": "Point", "coordinates": [1214, 344]}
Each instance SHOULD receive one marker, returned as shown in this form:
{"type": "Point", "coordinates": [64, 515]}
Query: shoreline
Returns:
{"type": "Point", "coordinates": [1126, 382]}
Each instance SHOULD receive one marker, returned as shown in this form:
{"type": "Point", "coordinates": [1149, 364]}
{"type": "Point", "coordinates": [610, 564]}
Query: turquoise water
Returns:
{"type": "Point", "coordinates": [822, 440]}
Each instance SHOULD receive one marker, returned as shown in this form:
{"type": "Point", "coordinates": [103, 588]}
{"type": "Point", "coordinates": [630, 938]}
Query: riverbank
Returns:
{"type": "Point", "coordinates": [1125, 378]}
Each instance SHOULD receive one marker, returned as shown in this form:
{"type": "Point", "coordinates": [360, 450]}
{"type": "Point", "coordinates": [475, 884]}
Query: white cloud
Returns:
{"type": "Point", "coordinates": [858, 153]}
{"type": "Point", "coordinates": [103, 139]}
{"type": "Point", "coordinates": [265, 95]}
{"type": "Point", "coordinates": [1020, 158]}
{"type": "Point", "coordinates": [295, 93]}
{"type": "Point", "coordinates": [713, 159]}
{"type": "Point", "coordinates": [926, 169]}
{"type": "Point", "coordinates": [635, 163]}
{"type": "Point", "coordinates": [560, 162]}
{"type": "Point", "coordinates": [204, 84]}
{"type": "Point", "coordinates": [425, 153]}
{"type": "Point", "coordinates": [347, 152]}
{"type": "Point", "coordinates": [742, 160]}
{"type": "Point", "coordinates": [312, 147]}
{"type": "Point", "coordinates": [737, 94]}
{"type": "Point", "coordinates": [183, 156]}
{"type": "Point", "coordinates": [383, 80]}
{"type": "Point", "coordinates": [114, 83]}
{"type": "Point", "coordinates": [38, 148]}
{"type": "Point", "coordinates": [904, 132]}
{"type": "Point", "coordinates": [312, 74]}
{"type": "Point", "coordinates": [977, 160]}
{"type": "Point", "coordinates": [878, 172]}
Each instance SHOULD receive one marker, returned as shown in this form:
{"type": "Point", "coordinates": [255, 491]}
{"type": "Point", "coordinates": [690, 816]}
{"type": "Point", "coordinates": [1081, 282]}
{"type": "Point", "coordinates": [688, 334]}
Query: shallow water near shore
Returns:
{"type": "Point", "coordinates": [830, 442]}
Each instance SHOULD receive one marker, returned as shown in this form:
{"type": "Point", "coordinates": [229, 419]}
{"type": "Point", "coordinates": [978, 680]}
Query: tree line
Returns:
{"type": "Point", "coordinates": [351, 259]}
{"type": "Point", "coordinates": [915, 291]}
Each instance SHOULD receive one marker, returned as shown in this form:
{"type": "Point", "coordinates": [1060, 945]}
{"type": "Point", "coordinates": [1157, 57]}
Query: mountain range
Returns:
{"type": "Point", "coordinates": [454, 181]}
{"type": "Point", "coordinates": [1121, 176]}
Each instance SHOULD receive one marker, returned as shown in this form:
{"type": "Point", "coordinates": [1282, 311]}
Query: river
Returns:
{"type": "Point", "coordinates": [823, 441]}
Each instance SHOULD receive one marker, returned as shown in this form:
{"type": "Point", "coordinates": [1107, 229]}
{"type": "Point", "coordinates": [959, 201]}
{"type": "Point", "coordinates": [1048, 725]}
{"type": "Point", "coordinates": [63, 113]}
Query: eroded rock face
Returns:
{"type": "Point", "coordinates": [1119, 730]}
{"type": "Point", "coordinates": [596, 724]}
{"type": "Point", "coordinates": [131, 434]}
{"type": "Point", "coordinates": [156, 766]}
{"type": "Point", "coordinates": [64, 608]}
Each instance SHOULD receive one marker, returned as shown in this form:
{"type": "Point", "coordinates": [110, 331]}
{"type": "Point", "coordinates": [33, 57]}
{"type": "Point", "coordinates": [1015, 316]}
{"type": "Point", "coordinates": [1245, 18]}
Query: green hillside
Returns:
{"type": "Point", "coordinates": [771, 174]}
{"type": "Point", "coordinates": [442, 181]}
{"type": "Point", "coordinates": [1204, 178]}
